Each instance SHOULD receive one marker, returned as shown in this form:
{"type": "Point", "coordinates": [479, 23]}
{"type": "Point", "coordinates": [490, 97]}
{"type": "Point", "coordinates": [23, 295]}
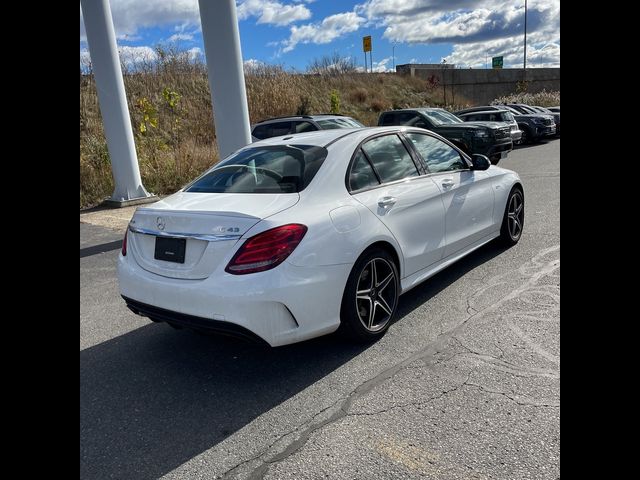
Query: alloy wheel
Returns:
{"type": "Point", "coordinates": [376, 294]}
{"type": "Point", "coordinates": [515, 215]}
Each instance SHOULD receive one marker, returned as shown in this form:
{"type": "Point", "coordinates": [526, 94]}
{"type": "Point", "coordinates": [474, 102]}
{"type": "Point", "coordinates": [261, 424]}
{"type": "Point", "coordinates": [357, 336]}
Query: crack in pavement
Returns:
{"type": "Point", "coordinates": [428, 352]}
{"type": "Point", "coordinates": [514, 398]}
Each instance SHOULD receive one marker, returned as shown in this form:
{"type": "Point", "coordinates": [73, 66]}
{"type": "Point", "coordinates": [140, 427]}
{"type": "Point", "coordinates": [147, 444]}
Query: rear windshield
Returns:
{"type": "Point", "coordinates": [332, 123]}
{"type": "Point", "coordinates": [266, 169]}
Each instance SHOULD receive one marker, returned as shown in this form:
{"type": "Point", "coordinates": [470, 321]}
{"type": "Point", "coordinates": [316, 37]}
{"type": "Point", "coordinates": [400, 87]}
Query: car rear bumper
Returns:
{"type": "Point", "coordinates": [197, 323]}
{"type": "Point", "coordinates": [284, 305]}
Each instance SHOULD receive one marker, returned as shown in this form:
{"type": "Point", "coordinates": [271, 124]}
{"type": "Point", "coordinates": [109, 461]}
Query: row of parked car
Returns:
{"type": "Point", "coordinates": [490, 130]}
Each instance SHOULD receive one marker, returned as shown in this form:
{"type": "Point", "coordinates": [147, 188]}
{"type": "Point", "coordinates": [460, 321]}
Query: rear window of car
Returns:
{"type": "Point", "coordinates": [333, 123]}
{"type": "Point", "coordinates": [272, 130]}
{"type": "Point", "coordinates": [266, 169]}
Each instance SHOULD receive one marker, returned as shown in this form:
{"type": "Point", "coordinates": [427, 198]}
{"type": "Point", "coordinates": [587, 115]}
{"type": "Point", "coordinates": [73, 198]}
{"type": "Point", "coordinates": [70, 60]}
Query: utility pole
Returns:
{"type": "Point", "coordinates": [393, 54]}
{"type": "Point", "coordinates": [525, 43]}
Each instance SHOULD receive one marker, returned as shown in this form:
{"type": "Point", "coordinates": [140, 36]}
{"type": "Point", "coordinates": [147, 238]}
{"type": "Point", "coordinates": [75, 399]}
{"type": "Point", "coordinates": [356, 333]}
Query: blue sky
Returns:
{"type": "Point", "coordinates": [292, 33]}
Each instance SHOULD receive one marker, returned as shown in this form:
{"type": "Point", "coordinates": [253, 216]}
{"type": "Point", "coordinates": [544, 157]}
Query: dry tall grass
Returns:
{"type": "Point", "coordinates": [542, 99]}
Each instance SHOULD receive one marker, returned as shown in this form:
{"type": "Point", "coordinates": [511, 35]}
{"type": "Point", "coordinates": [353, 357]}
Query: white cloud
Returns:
{"type": "Point", "coordinates": [378, 67]}
{"type": "Point", "coordinates": [176, 37]}
{"type": "Point", "coordinates": [542, 51]}
{"type": "Point", "coordinates": [382, 65]}
{"type": "Point", "coordinates": [131, 15]}
{"type": "Point", "coordinates": [329, 29]}
{"type": "Point", "coordinates": [272, 12]}
{"type": "Point", "coordinates": [130, 57]}
{"type": "Point", "coordinates": [252, 65]}
{"type": "Point", "coordinates": [473, 26]}
{"type": "Point", "coordinates": [195, 53]}
{"type": "Point", "coordinates": [135, 56]}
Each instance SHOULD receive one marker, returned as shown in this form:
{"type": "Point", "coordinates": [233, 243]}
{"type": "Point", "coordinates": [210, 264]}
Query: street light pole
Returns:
{"type": "Point", "coordinates": [525, 42]}
{"type": "Point", "coordinates": [393, 54]}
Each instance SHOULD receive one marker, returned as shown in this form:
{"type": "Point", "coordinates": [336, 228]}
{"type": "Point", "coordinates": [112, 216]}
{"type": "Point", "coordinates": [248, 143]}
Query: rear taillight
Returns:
{"type": "Point", "coordinates": [124, 243]}
{"type": "Point", "coordinates": [266, 250]}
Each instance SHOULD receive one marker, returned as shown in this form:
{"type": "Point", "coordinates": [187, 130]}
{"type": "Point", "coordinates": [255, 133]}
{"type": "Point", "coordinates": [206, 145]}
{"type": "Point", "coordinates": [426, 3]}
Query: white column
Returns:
{"type": "Point", "coordinates": [113, 102]}
{"type": "Point", "coordinates": [226, 76]}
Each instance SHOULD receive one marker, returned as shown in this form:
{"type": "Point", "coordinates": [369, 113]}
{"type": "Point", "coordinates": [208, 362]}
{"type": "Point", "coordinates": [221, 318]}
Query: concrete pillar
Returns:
{"type": "Point", "coordinates": [226, 75]}
{"type": "Point", "coordinates": [113, 104]}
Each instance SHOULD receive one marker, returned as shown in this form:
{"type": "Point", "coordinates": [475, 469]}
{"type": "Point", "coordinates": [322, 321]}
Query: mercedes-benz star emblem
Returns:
{"type": "Point", "coordinates": [160, 223]}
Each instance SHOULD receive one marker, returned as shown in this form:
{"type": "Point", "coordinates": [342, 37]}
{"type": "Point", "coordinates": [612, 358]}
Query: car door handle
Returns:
{"type": "Point", "coordinates": [447, 183]}
{"type": "Point", "coordinates": [386, 201]}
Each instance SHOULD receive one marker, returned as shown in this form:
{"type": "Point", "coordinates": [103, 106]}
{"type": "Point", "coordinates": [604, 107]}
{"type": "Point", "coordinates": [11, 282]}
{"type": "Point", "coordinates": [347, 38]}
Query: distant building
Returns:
{"type": "Point", "coordinates": [480, 85]}
{"type": "Point", "coordinates": [410, 68]}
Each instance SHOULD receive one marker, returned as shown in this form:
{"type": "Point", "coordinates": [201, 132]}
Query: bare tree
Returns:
{"type": "Point", "coordinates": [334, 64]}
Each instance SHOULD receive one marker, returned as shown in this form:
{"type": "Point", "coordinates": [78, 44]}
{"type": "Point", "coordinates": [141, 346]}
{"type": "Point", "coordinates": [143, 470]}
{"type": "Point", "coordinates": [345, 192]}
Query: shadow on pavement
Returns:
{"type": "Point", "coordinates": [154, 398]}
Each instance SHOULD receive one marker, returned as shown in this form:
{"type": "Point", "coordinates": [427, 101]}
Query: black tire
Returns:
{"type": "Point", "coordinates": [513, 218]}
{"type": "Point", "coordinates": [494, 159]}
{"type": "Point", "coordinates": [526, 136]}
{"type": "Point", "coordinates": [373, 284]}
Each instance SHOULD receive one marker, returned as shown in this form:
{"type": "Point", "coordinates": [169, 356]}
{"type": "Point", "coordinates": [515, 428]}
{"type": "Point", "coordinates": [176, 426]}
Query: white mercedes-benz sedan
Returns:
{"type": "Point", "coordinates": [294, 237]}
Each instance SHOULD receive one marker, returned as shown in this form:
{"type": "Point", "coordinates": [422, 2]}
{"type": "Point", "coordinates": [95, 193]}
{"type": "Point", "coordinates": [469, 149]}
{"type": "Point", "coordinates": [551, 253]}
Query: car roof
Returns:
{"type": "Point", "coordinates": [476, 112]}
{"type": "Point", "coordinates": [318, 116]}
{"type": "Point", "coordinates": [416, 109]}
{"type": "Point", "coordinates": [489, 108]}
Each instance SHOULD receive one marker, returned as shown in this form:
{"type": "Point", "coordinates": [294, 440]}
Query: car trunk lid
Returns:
{"type": "Point", "coordinates": [197, 230]}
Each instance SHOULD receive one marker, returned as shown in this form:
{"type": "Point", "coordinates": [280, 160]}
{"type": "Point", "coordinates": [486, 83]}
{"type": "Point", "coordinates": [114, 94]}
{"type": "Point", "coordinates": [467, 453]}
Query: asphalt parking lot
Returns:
{"type": "Point", "coordinates": [465, 385]}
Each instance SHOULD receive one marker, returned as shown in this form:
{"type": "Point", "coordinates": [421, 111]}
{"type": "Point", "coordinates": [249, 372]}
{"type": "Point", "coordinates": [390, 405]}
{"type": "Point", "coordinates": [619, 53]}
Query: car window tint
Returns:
{"type": "Point", "coordinates": [390, 158]}
{"type": "Point", "coordinates": [333, 123]}
{"type": "Point", "coordinates": [362, 175]}
{"type": "Point", "coordinates": [301, 127]}
{"type": "Point", "coordinates": [279, 128]}
{"type": "Point", "coordinates": [265, 169]}
{"type": "Point", "coordinates": [409, 118]}
{"type": "Point", "coordinates": [439, 156]}
{"type": "Point", "coordinates": [388, 119]}
{"type": "Point", "coordinates": [261, 132]}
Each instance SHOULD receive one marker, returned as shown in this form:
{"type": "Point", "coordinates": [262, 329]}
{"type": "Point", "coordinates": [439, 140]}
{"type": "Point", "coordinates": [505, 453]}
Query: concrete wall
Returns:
{"type": "Point", "coordinates": [481, 86]}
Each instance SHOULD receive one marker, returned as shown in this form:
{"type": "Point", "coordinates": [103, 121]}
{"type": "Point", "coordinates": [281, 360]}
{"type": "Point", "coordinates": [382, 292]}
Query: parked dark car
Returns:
{"type": "Point", "coordinates": [277, 126]}
{"type": "Point", "coordinates": [495, 116]}
{"type": "Point", "coordinates": [554, 109]}
{"type": "Point", "coordinates": [521, 107]}
{"type": "Point", "coordinates": [534, 126]}
{"type": "Point", "coordinates": [548, 111]}
{"type": "Point", "coordinates": [492, 139]}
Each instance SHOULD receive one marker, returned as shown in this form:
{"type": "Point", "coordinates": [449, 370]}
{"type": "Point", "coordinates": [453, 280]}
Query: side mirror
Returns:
{"type": "Point", "coordinates": [480, 162]}
{"type": "Point", "coordinates": [421, 124]}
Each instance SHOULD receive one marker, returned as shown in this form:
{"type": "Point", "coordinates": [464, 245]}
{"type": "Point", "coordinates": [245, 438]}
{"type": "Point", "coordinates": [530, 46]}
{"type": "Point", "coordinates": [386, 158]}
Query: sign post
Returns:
{"type": "Point", "coordinates": [496, 62]}
{"type": "Point", "coordinates": [366, 47]}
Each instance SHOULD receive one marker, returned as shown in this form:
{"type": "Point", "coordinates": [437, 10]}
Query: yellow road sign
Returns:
{"type": "Point", "coordinates": [366, 43]}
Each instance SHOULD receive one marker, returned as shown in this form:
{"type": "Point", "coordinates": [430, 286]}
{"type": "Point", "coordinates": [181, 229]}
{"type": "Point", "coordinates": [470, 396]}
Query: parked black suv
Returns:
{"type": "Point", "coordinates": [274, 127]}
{"type": "Point", "coordinates": [548, 111]}
{"type": "Point", "coordinates": [492, 139]}
{"type": "Point", "coordinates": [534, 127]}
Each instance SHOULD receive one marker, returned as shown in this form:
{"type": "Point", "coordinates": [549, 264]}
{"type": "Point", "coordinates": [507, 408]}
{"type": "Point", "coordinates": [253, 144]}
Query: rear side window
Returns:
{"type": "Point", "coordinates": [401, 118]}
{"type": "Point", "coordinates": [439, 156]}
{"type": "Point", "coordinates": [390, 158]}
{"type": "Point", "coordinates": [267, 169]}
{"type": "Point", "coordinates": [301, 127]}
{"type": "Point", "coordinates": [334, 123]}
{"type": "Point", "coordinates": [362, 175]}
{"type": "Point", "coordinates": [272, 130]}
{"type": "Point", "coordinates": [387, 119]}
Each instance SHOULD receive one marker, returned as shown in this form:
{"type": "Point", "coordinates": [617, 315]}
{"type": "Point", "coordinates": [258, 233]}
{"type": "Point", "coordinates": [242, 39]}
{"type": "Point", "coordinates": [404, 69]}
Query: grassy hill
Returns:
{"type": "Point", "coordinates": [170, 108]}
